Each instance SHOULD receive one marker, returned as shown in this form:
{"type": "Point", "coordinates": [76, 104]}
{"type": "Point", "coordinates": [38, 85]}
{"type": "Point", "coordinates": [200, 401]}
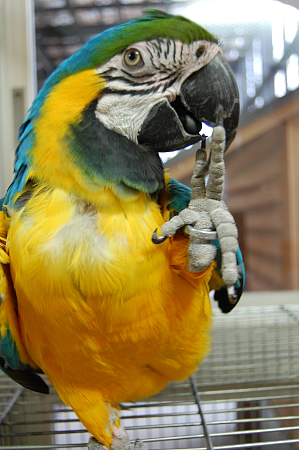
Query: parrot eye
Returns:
{"type": "Point", "coordinates": [200, 50]}
{"type": "Point", "coordinates": [133, 58]}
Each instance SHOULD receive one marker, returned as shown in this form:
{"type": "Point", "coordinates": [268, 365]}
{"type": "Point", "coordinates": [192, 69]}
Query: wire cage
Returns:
{"type": "Point", "coordinates": [245, 395]}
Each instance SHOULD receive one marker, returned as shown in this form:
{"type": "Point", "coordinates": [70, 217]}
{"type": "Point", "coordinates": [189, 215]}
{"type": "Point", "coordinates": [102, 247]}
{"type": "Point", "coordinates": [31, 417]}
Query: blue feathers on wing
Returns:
{"type": "Point", "coordinates": [179, 196]}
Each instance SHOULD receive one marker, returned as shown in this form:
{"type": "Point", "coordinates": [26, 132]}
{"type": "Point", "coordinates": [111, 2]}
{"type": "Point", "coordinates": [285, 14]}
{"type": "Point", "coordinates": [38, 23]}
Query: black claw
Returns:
{"type": "Point", "coordinates": [156, 239]}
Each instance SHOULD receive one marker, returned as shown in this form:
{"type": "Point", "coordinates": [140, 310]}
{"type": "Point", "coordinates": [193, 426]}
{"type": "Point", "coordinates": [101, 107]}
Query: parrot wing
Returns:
{"type": "Point", "coordinates": [178, 199]}
{"type": "Point", "coordinates": [14, 360]}
{"type": "Point", "coordinates": [217, 284]}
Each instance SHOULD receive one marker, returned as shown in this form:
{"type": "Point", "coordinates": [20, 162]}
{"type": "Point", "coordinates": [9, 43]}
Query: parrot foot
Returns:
{"type": "Point", "coordinates": [207, 217]}
{"type": "Point", "coordinates": [93, 444]}
{"type": "Point", "coordinates": [120, 441]}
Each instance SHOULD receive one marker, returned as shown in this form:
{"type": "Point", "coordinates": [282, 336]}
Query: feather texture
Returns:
{"type": "Point", "coordinates": [133, 317]}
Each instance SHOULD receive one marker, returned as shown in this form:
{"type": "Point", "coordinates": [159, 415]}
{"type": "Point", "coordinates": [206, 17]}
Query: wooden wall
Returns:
{"type": "Point", "coordinates": [256, 195]}
{"type": "Point", "coordinates": [262, 170]}
{"type": "Point", "coordinates": [262, 192]}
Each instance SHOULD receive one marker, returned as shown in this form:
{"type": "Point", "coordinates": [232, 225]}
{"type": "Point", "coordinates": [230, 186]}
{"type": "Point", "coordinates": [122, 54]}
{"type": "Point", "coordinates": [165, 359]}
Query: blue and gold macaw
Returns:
{"type": "Point", "coordinates": [86, 297]}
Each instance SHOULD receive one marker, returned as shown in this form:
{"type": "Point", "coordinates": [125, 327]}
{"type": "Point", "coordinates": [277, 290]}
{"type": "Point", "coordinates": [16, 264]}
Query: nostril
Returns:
{"type": "Point", "coordinates": [188, 120]}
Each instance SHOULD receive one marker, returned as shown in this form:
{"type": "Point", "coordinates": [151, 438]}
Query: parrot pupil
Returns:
{"type": "Point", "coordinates": [200, 51]}
{"type": "Point", "coordinates": [132, 56]}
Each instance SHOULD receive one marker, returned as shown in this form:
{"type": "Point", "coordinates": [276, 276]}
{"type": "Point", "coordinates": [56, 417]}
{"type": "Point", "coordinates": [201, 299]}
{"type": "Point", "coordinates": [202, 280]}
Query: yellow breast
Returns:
{"type": "Point", "coordinates": [101, 308]}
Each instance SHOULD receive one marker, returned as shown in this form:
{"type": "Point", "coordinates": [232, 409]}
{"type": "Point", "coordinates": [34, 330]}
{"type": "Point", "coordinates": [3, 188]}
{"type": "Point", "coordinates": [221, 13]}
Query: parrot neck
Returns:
{"type": "Point", "coordinates": [109, 158]}
{"type": "Point", "coordinates": [88, 157]}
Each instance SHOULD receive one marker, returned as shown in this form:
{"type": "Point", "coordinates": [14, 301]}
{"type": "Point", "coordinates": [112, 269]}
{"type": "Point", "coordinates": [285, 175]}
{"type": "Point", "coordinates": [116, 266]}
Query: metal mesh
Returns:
{"type": "Point", "coordinates": [245, 395]}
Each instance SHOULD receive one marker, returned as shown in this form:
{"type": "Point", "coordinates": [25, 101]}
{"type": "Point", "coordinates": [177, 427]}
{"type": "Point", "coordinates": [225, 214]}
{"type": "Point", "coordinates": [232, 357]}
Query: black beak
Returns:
{"type": "Point", "coordinates": [173, 126]}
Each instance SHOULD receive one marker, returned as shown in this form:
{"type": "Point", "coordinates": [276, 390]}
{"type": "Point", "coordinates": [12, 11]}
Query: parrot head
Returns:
{"type": "Point", "coordinates": [161, 90]}
{"type": "Point", "coordinates": [131, 92]}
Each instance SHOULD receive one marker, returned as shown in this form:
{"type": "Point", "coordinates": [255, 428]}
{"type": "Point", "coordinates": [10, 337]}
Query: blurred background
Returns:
{"type": "Point", "coordinates": [260, 40]}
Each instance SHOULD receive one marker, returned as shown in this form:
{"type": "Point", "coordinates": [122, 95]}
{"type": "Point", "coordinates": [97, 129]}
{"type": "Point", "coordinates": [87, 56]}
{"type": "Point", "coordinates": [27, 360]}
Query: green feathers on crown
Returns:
{"type": "Point", "coordinates": [158, 24]}
{"type": "Point", "coordinates": [153, 25]}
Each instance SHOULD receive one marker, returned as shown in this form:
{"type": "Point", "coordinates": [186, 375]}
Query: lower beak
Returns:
{"type": "Point", "coordinates": [173, 126]}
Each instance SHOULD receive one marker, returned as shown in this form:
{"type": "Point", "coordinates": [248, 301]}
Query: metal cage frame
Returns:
{"type": "Point", "coordinates": [245, 395]}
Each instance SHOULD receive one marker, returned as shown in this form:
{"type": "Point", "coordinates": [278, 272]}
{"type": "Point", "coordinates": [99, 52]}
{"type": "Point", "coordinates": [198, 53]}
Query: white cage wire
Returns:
{"type": "Point", "coordinates": [245, 395]}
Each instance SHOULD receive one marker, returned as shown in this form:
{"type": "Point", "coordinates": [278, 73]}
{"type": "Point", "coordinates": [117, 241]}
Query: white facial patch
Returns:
{"type": "Point", "coordinates": [132, 91]}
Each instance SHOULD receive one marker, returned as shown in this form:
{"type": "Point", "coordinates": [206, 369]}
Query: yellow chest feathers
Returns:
{"type": "Point", "coordinates": [57, 241]}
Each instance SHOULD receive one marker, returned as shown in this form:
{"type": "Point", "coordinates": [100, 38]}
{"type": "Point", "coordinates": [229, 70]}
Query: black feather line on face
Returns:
{"type": "Point", "coordinates": [129, 82]}
{"type": "Point", "coordinates": [151, 54]}
{"type": "Point", "coordinates": [134, 76]}
{"type": "Point", "coordinates": [109, 158]}
{"type": "Point", "coordinates": [108, 90]}
{"type": "Point", "coordinates": [174, 51]}
{"type": "Point", "coordinates": [134, 83]}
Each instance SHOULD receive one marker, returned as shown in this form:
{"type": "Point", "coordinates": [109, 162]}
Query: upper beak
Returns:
{"type": "Point", "coordinates": [172, 126]}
